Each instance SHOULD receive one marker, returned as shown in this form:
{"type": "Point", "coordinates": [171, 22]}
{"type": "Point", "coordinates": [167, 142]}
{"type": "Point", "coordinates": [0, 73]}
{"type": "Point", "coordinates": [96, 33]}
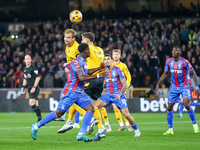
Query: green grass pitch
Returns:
{"type": "Point", "coordinates": [15, 134]}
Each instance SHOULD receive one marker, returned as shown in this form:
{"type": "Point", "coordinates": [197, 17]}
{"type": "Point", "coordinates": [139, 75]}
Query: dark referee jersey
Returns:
{"type": "Point", "coordinates": [30, 75]}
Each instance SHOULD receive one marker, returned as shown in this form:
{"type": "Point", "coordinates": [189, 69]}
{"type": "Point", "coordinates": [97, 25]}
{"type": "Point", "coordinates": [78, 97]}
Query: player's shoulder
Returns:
{"type": "Point", "coordinates": [24, 68]}
{"type": "Point", "coordinates": [123, 64]}
{"type": "Point", "coordinates": [96, 47]}
{"type": "Point", "coordinates": [76, 44]}
{"type": "Point", "coordinates": [117, 68]}
{"type": "Point", "coordinates": [184, 60]}
{"type": "Point", "coordinates": [170, 59]}
{"type": "Point", "coordinates": [33, 67]}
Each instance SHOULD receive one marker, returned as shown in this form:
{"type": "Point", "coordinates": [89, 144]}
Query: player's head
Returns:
{"type": "Point", "coordinates": [27, 60]}
{"type": "Point", "coordinates": [116, 54]}
{"type": "Point", "coordinates": [84, 50]}
{"type": "Point", "coordinates": [176, 51]}
{"type": "Point", "coordinates": [87, 37]}
{"type": "Point", "coordinates": [69, 36]}
{"type": "Point", "coordinates": [108, 60]}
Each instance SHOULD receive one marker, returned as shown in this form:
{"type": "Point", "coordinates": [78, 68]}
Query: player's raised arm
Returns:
{"type": "Point", "coordinates": [91, 71]}
{"type": "Point", "coordinates": [83, 77]}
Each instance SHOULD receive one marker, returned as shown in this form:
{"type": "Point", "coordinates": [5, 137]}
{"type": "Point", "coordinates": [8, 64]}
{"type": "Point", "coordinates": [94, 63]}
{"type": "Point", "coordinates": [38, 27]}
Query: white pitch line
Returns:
{"type": "Point", "coordinates": [111, 125]}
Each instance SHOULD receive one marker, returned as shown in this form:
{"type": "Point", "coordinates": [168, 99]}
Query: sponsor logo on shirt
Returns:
{"type": "Point", "coordinates": [176, 71]}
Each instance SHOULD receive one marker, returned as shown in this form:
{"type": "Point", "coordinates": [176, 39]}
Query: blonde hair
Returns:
{"type": "Point", "coordinates": [117, 51]}
{"type": "Point", "coordinates": [73, 32]}
{"type": "Point", "coordinates": [89, 35]}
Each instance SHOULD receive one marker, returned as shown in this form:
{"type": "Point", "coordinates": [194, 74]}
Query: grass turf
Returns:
{"type": "Point", "coordinates": [15, 133]}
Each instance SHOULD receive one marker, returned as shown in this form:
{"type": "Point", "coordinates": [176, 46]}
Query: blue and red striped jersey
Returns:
{"type": "Point", "coordinates": [179, 71]}
{"type": "Point", "coordinates": [113, 80]}
{"type": "Point", "coordinates": [73, 82]}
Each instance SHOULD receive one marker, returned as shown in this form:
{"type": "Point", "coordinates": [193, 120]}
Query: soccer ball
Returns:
{"type": "Point", "coordinates": [75, 16]}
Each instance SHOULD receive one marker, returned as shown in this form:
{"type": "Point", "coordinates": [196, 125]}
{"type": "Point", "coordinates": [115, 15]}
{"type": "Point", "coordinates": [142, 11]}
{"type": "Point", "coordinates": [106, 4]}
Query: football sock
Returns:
{"type": "Point", "coordinates": [194, 104]}
{"type": "Point", "coordinates": [76, 117]}
{"type": "Point", "coordinates": [72, 112]}
{"type": "Point", "coordinates": [51, 116]}
{"type": "Point", "coordinates": [80, 110]}
{"type": "Point", "coordinates": [181, 108]}
{"type": "Point", "coordinates": [97, 115]}
{"type": "Point", "coordinates": [37, 111]}
{"type": "Point", "coordinates": [127, 122]}
{"type": "Point", "coordinates": [104, 115]}
{"type": "Point", "coordinates": [86, 122]}
{"type": "Point", "coordinates": [119, 117]}
{"type": "Point", "coordinates": [134, 126]}
{"type": "Point", "coordinates": [170, 119]}
{"type": "Point", "coordinates": [192, 116]}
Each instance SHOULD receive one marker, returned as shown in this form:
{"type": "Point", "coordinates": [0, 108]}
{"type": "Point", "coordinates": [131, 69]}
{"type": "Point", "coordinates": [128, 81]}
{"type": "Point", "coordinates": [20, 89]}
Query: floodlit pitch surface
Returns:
{"type": "Point", "coordinates": [15, 133]}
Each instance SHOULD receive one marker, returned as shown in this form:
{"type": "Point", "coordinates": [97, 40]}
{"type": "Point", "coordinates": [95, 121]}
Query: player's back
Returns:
{"type": "Point", "coordinates": [71, 52]}
{"type": "Point", "coordinates": [73, 82]}
{"type": "Point", "coordinates": [113, 80]}
{"type": "Point", "coordinates": [179, 71]}
{"type": "Point", "coordinates": [96, 58]}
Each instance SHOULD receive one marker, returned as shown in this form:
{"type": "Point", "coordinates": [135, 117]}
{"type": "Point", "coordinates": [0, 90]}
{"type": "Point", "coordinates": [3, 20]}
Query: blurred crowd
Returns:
{"type": "Point", "coordinates": [145, 46]}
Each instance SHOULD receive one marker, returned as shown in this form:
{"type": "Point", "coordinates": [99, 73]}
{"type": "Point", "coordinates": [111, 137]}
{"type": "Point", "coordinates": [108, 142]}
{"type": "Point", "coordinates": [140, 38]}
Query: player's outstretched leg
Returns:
{"type": "Point", "coordinates": [192, 117]}
{"type": "Point", "coordinates": [76, 120]}
{"type": "Point", "coordinates": [68, 125]}
{"type": "Point", "coordinates": [105, 118]}
{"type": "Point", "coordinates": [118, 117]}
{"type": "Point", "coordinates": [190, 111]}
{"type": "Point", "coordinates": [128, 127]}
{"type": "Point", "coordinates": [51, 116]}
{"type": "Point", "coordinates": [86, 121]}
{"type": "Point", "coordinates": [101, 133]}
{"type": "Point", "coordinates": [131, 120]}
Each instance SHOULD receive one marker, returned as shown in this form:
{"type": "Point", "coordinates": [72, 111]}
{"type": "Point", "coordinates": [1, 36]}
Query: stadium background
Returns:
{"type": "Point", "coordinates": [145, 31]}
{"type": "Point", "coordinates": [137, 27]}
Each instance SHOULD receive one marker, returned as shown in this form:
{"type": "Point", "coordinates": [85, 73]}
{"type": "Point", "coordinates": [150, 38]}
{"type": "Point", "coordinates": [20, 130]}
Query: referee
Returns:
{"type": "Point", "coordinates": [31, 79]}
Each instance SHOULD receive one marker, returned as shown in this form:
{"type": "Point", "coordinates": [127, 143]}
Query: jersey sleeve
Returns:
{"type": "Point", "coordinates": [121, 74]}
{"type": "Point", "coordinates": [167, 65]}
{"type": "Point", "coordinates": [188, 66]}
{"type": "Point", "coordinates": [35, 71]}
{"type": "Point", "coordinates": [128, 75]}
{"type": "Point", "coordinates": [77, 65]}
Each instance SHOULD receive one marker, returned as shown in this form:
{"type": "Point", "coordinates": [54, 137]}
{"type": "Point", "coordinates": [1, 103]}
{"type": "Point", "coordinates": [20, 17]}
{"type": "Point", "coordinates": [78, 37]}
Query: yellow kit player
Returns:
{"type": "Point", "coordinates": [116, 54]}
{"type": "Point", "coordinates": [96, 59]}
{"type": "Point", "coordinates": [71, 52]}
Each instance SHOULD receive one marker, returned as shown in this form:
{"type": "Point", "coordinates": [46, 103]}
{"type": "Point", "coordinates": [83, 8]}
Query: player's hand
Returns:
{"type": "Point", "coordinates": [117, 97]}
{"type": "Point", "coordinates": [22, 89]}
{"type": "Point", "coordinates": [102, 65]}
{"type": "Point", "coordinates": [103, 75]}
{"type": "Point", "coordinates": [32, 90]}
{"type": "Point", "coordinates": [65, 64]}
{"type": "Point", "coordinates": [157, 88]}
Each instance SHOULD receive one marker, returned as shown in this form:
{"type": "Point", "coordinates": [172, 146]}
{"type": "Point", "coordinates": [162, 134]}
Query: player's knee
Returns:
{"type": "Point", "coordinates": [59, 113]}
{"type": "Point", "coordinates": [169, 109]}
{"type": "Point", "coordinates": [115, 107]}
{"type": "Point", "coordinates": [89, 108]}
{"type": "Point", "coordinates": [187, 106]}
